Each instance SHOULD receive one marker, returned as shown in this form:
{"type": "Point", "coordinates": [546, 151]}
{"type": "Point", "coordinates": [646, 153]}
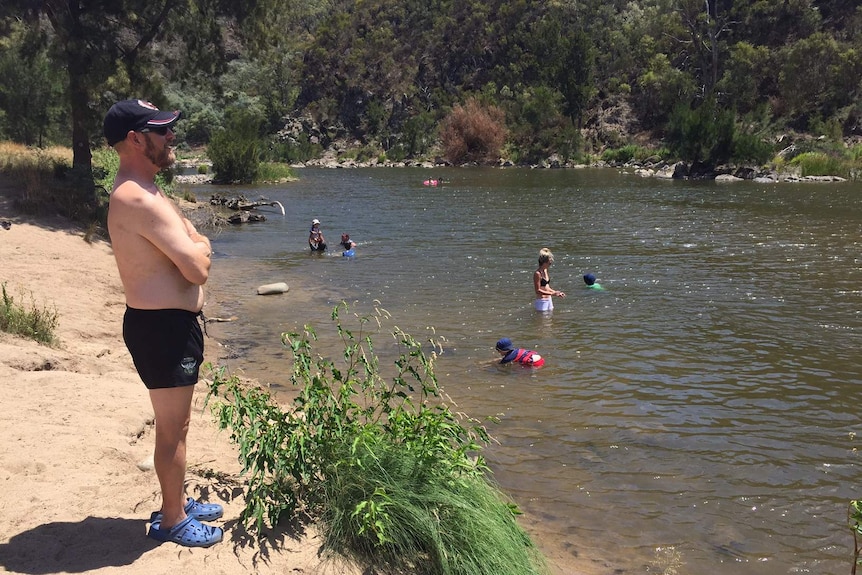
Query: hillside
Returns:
{"type": "Point", "coordinates": [472, 81]}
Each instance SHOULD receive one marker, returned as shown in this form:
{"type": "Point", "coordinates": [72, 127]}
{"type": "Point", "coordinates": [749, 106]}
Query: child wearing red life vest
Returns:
{"type": "Point", "coordinates": [511, 354]}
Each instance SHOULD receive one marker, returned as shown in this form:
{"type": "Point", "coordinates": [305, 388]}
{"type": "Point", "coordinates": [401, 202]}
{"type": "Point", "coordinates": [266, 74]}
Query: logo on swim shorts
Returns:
{"type": "Point", "coordinates": [188, 364]}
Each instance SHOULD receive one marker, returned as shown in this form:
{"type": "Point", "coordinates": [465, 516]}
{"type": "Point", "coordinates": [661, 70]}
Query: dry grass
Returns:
{"type": "Point", "coordinates": [49, 183]}
{"type": "Point", "coordinates": [19, 158]}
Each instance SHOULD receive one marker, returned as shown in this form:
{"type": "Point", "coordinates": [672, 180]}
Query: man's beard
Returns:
{"type": "Point", "coordinates": [163, 158]}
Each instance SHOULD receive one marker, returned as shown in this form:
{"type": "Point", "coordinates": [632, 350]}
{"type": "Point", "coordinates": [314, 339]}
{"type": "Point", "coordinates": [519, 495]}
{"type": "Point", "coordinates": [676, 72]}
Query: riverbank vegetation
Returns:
{"type": "Point", "coordinates": [388, 469]}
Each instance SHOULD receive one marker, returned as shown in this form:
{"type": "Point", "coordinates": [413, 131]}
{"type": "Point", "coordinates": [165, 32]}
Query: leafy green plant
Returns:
{"type": "Point", "coordinates": [236, 150]}
{"type": "Point", "coordinates": [391, 472]}
{"type": "Point", "coordinates": [36, 323]}
{"type": "Point", "coordinates": [106, 162]}
{"type": "Point", "coordinates": [298, 149]}
{"type": "Point", "coordinates": [854, 520]}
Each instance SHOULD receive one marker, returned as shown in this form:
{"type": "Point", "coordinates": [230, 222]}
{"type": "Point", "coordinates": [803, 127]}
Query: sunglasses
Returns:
{"type": "Point", "coordinates": [161, 130]}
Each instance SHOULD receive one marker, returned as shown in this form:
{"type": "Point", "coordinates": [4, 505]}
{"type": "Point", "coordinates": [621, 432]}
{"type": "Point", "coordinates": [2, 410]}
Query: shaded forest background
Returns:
{"type": "Point", "coordinates": [474, 80]}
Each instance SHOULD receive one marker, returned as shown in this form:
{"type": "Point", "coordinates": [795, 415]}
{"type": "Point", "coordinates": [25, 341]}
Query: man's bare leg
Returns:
{"type": "Point", "coordinates": [172, 407]}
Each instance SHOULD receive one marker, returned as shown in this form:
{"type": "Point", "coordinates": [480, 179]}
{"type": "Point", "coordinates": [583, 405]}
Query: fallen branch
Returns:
{"type": "Point", "coordinates": [241, 203]}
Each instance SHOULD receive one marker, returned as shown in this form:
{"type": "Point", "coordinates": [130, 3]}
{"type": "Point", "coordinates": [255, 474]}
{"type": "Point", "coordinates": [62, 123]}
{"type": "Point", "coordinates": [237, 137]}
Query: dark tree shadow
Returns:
{"type": "Point", "coordinates": [97, 542]}
{"type": "Point", "coordinates": [76, 547]}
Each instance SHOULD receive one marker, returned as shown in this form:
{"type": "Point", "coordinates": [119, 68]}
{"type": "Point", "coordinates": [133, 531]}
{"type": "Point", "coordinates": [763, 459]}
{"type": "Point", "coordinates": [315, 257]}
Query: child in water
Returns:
{"type": "Point", "coordinates": [511, 354]}
{"type": "Point", "coordinates": [348, 245]}
{"type": "Point", "coordinates": [316, 241]}
{"type": "Point", "coordinates": [590, 280]}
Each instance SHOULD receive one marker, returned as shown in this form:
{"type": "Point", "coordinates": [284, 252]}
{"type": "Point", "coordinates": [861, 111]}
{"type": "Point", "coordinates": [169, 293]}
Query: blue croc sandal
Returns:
{"type": "Point", "coordinates": [198, 510]}
{"type": "Point", "coordinates": [189, 533]}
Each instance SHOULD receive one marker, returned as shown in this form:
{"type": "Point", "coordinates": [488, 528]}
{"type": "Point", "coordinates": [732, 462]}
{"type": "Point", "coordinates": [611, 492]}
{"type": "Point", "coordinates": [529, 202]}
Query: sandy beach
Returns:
{"type": "Point", "coordinates": [76, 434]}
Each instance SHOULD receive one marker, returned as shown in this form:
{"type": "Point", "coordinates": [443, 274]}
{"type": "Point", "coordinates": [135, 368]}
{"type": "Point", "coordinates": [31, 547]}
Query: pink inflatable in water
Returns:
{"type": "Point", "coordinates": [431, 183]}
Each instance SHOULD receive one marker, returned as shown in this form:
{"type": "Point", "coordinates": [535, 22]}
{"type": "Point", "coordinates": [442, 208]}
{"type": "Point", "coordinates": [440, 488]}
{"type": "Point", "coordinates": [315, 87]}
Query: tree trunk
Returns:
{"type": "Point", "coordinates": [64, 18]}
{"type": "Point", "coordinates": [82, 157]}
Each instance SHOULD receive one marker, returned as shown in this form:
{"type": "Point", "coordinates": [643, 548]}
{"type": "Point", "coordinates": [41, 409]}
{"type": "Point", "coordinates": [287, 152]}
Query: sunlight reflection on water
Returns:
{"type": "Point", "coordinates": [703, 402]}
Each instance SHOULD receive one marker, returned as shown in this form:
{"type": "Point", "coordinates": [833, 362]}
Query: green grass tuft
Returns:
{"type": "Point", "coordinates": [274, 172]}
{"type": "Point", "coordinates": [35, 323]}
{"type": "Point", "coordinates": [822, 164]}
{"type": "Point", "coordinates": [387, 507]}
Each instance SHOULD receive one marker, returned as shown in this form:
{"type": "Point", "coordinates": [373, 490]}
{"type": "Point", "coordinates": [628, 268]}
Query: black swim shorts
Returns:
{"type": "Point", "coordinates": [167, 345]}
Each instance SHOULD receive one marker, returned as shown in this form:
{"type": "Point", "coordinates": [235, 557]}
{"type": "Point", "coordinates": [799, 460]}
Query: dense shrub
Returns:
{"type": "Point", "coordinates": [701, 134]}
{"type": "Point", "coordinates": [537, 128]}
{"type": "Point", "coordinates": [391, 473]}
{"type": "Point", "coordinates": [201, 118]}
{"type": "Point", "coordinates": [274, 172]}
{"type": "Point", "coordinates": [291, 150]}
{"type": "Point", "coordinates": [751, 148]}
{"type": "Point", "coordinates": [236, 150]}
{"type": "Point", "coordinates": [627, 154]}
{"type": "Point", "coordinates": [417, 135]}
{"type": "Point", "coordinates": [473, 133]}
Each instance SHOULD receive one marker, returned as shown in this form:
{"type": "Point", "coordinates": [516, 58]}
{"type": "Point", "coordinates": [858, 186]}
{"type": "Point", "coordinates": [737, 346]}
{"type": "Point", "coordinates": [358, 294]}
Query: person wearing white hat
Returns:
{"type": "Point", "coordinates": [316, 241]}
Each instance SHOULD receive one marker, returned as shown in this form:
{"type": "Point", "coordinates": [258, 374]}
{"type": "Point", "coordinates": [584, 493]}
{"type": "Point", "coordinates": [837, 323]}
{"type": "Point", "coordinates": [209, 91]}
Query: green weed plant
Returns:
{"type": "Point", "coordinates": [626, 154]}
{"type": "Point", "coordinates": [33, 322]}
{"type": "Point", "coordinates": [821, 164]}
{"type": "Point", "coordinates": [854, 520]}
{"type": "Point", "coordinates": [274, 172]}
{"type": "Point", "coordinates": [391, 473]}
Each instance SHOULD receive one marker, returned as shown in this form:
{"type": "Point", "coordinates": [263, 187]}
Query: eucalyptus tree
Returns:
{"type": "Point", "coordinates": [31, 90]}
{"type": "Point", "coordinates": [113, 49]}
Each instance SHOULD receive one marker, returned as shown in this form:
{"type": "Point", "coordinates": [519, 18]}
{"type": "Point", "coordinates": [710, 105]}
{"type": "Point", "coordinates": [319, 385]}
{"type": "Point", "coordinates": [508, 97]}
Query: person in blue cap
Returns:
{"type": "Point", "coordinates": [511, 354]}
{"type": "Point", "coordinates": [590, 280]}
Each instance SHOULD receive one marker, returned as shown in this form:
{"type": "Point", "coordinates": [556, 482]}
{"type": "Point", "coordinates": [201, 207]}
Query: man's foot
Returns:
{"type": "Point", "coordinates": [196, 509]}
{"type": "Point", "coordinates": [189, 533]}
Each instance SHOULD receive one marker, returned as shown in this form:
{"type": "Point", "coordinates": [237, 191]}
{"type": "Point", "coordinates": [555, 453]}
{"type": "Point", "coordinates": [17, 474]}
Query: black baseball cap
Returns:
{"type": "Point", "coordinates": [132, 115]}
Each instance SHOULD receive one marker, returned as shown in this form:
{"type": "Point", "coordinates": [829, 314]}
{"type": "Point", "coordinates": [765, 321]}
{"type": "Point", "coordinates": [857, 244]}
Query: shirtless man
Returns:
{"type": "Point", "coordinates": [163, 263]}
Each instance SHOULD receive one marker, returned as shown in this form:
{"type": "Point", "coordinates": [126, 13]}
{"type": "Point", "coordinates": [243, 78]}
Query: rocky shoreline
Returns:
{"type": "Point", "coordinates": [661, 170]}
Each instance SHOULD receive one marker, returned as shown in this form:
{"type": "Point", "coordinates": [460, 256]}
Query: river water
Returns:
{"type": "Point", "coordinates": [700, 412]}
